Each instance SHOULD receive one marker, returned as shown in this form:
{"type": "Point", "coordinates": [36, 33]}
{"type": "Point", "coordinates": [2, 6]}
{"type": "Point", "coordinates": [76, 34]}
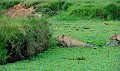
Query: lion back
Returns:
{"type": "Point", "coordinates": [24, 13]}
{"type": "Point", "coordinates": [10, 11]}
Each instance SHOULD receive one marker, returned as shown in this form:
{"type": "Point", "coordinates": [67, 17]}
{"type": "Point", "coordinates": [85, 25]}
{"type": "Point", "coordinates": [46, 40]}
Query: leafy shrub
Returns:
{"type": "Point", "coordinates": [22, 38]}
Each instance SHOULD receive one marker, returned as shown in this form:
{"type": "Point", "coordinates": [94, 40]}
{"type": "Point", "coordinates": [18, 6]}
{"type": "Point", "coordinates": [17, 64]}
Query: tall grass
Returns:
{"type": "Point", "coordinates": [63, 15]}
{"type": "Point", "coordinates": [107, 12]}
{"type": "Point", "coordinates": [51, 8]}
{"type": "Point", "coordinates": [22, 38]}
{"type": "Point", "coordinates": [84, 9]}
{"type": "Point", "coordinates": [112, 11]}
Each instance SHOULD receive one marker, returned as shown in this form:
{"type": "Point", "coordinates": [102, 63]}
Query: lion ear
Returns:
{"type": "Point", "coordinates": [21, 3]}
{"type": "Point", "coordinates": [115, 35]}
{"type": "Point", "coordinates": [63, 35]}
{"type": "Point", "coordinates": [34, 7]}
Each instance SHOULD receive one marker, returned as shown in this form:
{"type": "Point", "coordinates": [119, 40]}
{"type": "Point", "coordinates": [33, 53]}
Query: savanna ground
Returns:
{"type": "Point", "coordinates": [95, 31]}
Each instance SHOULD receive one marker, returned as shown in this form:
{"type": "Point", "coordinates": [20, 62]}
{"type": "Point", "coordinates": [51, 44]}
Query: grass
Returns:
{"type": "Point", "coordinates": [58, 59]}
{"type": "Point", "coordinates": [96, 31]}
{"type": "Point", "coordinates": [76, 59]}
{"type": "Point", "coordinates": [65, 16]}
{"type": "Point", "coordinates": [86, 9]}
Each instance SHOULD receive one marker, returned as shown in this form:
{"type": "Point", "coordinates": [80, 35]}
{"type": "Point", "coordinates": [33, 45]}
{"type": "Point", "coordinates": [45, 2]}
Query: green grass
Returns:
{"type": "Point", "coordinates": [65, 16]}
{"type": "Point", "coordinates": [57, 59]}
{"type": "Point", "coordinates": [75, 59]}
{"type": "Point", "coordinates": [86, 9]}
{"type": "Point", "coordinates": [68, 59]}
{"type": "Point", "coordinates": [98, 31]}
{"type": "Point", "coordinates": [85, 1]}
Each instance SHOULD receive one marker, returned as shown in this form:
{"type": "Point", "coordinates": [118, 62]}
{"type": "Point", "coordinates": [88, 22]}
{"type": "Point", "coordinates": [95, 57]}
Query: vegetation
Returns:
{"type": "Point", "coordinates": [107, 10]}
{"type": "Point", "coordinates": [5, 5]}
{"type": "Point", "coordinates": [22, 38]}
{"type": "Point", "coordinates": [59, 58]}
{"type": "Point", "coordinates": [92, 21]}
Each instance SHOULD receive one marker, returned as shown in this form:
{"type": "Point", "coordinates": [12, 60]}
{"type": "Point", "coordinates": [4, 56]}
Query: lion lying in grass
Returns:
{"type": "Point", "coordinates": [19, 11]}
{"type": "Point", "coordinates": [10, 11]}
{"type": "Point", "coordinates": [115, 37]}
{"type": "Point", "coordinates": [70, 42]}
{"type": "Point", "coordinates": [24, 13]}
{"type": "Point", "coordinates": [114, 40]}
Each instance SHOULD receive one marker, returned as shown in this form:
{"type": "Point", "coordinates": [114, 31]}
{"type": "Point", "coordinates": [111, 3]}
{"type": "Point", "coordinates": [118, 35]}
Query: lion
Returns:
{"type": "Point", "coordinates": [70, 42]}
{"type": "Point", "coordinates": [24, 13]}
{"type": "Point", "coordinates": [114, 40]}
{"type": "Point", "coordinates": [115, 37]}
{"type": "Point", "coordinates": [10, 11]}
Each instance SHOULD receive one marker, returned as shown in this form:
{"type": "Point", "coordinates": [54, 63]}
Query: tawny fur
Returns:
{"type": "Point", "coordinates": [10, 11]}
{"type": "Point", "coordinates": [38, 15]}
{"type": "Point", "coordinates": [24, 13]}
{"type": "Point", "coordinates": [69, 42]}
{"type": "Point", "coordinates": [115, 37]}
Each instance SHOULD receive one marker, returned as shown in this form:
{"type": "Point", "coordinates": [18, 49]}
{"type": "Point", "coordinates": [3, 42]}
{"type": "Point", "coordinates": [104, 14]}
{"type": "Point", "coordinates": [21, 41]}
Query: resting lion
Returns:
{"type": "Point", "coordinates": [10, 11]}
{"type": "Point", "coordinates": [115, 37]}
{"type": "Point", "coordinates": [70, 42]}
{"type": "Point", "coordinates": [24, 13]}
{"type": "Point", "coordinates": [114, 40]}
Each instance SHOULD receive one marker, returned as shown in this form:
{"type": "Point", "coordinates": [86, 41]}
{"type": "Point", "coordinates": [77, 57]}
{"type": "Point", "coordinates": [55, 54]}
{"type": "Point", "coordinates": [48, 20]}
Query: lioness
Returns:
{"type": "Point", "coordinates": [24, 13]}
{"type": "Point", "coordinates": [115, 37]}
{"type": "Point", "coordinates": [70, 42]}
{"type": "Point", "coordinates": [10, 11]}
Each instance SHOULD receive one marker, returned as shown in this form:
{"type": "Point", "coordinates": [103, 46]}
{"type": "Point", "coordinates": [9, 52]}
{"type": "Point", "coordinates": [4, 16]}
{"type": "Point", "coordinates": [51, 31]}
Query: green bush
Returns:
{"type": "Point", "coordinates": [108, 12]}
{"type": "Point", "coordinates": [22, 38]}
{"type": "Point", "coordinates": [82, 11]}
